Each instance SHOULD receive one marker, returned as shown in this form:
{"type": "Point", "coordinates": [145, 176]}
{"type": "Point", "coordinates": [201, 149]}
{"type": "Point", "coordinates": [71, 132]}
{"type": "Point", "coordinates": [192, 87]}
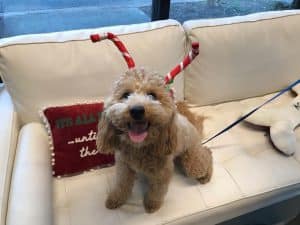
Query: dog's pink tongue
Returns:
{"type": "Point", "coordinates": [137, 137]}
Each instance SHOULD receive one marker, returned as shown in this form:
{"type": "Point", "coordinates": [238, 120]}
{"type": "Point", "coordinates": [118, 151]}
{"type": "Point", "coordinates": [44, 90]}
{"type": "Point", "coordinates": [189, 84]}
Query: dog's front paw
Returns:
{"type": "Point", "coordinates": [204, 180]}
{"type": "Point", "coordinates": [112, 202]}
{"type": "Point", "coordinates": [207, 177]}
{"type": "Point", "coordinates": [151, 205]}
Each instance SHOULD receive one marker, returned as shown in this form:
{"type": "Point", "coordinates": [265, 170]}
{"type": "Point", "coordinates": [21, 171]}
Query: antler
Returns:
{"type": "Point", "coordinates": [118, 43]}
{"type": "Point", "coordinates": [129, 60]}
{"type": "Point", "coordinates": [181, 66]}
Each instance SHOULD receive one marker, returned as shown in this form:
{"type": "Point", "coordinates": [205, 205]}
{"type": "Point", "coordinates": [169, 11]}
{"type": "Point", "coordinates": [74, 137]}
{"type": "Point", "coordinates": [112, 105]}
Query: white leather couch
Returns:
{"type": "Point", "coordinates": [242, 61]}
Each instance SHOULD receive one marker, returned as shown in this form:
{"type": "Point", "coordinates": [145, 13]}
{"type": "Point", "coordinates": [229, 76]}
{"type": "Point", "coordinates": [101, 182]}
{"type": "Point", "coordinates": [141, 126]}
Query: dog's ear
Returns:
{"type": "Point", "coordinates": [106, 139]}
{"type": "Point", "coordinates": [168, 141]}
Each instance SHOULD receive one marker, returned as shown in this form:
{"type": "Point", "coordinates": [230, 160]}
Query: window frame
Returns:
{"type": "Point", "coordinates": [160, 9]}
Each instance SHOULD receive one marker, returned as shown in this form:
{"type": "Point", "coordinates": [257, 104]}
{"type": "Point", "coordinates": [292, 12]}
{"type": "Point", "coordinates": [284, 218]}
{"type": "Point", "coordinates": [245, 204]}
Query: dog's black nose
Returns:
{"type": "Point", "coordinates": [137, 112]}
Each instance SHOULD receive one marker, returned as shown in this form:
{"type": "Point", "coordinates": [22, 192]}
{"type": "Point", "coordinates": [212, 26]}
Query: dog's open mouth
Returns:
{"type": "Point", "coordinates": [138, 131]}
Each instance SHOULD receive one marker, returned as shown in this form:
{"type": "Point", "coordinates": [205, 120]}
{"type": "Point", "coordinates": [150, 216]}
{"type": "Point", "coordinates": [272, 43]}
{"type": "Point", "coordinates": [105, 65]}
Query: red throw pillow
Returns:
{"type": "Point", "coordinates": [72, 132]}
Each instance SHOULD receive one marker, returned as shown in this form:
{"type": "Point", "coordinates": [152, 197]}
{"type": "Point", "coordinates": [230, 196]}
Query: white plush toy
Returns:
{"type": "Point", "coordinates": [282, 122]}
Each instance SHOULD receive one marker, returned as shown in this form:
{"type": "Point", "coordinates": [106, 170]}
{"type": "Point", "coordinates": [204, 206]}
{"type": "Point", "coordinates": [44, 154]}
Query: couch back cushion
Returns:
{"type": "Point", "coordinates": [66, 67]}
{"type": "Point", "coordinates": [243, 57]}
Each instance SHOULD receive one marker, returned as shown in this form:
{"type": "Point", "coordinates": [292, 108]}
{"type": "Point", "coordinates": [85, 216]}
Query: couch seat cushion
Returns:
{"type": "Point", "coordinates": [248, 174]}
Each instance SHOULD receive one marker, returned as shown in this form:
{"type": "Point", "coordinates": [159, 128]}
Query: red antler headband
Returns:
{"type": "Point", "coordinates": [118, 43]}
{"type": "Point", "coordinates": [129, 60]}
{"type": "Point", "coordinates": [181, 66]}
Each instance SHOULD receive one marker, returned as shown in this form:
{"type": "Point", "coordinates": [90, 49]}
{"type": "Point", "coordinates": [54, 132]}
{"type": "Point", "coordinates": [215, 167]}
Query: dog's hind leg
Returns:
{"type": "Point", "coordinates": [197, 163]}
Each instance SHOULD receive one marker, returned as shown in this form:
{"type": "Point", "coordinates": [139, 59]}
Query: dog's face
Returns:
{"type": "Point", "coordinates": [141, 109]}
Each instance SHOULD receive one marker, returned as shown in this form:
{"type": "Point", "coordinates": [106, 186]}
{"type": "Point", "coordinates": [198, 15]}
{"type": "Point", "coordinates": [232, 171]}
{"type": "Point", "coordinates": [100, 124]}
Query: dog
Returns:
{"type": "Point", "coordinates": [147, 131]}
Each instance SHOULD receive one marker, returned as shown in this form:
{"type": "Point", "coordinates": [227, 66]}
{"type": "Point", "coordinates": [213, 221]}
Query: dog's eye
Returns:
{"type": "Point", "coordinates": [125, 95]}
{"type": "Point", "coordinates": [152, 95]}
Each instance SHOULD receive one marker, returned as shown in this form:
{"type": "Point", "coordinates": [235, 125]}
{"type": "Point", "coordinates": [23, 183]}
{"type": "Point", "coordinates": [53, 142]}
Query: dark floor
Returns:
{"type": "Point", "coordinates": [295, 221]}
{"type": "Point", "coordinates": [40, 16]}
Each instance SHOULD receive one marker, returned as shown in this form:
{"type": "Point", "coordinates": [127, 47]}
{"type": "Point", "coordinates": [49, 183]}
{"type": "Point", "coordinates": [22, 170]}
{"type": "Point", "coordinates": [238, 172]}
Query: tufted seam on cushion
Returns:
{"type": "Point", "coordinates": [236, 183]}
{"type": "Point", "coordinates": [213, 196]}
{"type": "Point", "coordinates": [68, 218]}
{"type": "Point", "coordinates": [61, 200]}
{"type": "Point", "coordinates": [204, 202]}
{"type": "Point", "coordinates": [65, 206]}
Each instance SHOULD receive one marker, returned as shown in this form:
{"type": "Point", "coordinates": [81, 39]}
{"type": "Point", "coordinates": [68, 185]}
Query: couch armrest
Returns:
{"type": "Point", "coordinates": [30, 200]}
{"type": "Point", "coordinates": [9, 130]}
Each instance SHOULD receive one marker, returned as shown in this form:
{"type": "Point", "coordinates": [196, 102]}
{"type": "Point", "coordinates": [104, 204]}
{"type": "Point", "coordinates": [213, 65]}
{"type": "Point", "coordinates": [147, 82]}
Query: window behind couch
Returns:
{"type": "Point", "coordinates": [196, 9]}
{"type": "Point", "coordinates": [39, 16]}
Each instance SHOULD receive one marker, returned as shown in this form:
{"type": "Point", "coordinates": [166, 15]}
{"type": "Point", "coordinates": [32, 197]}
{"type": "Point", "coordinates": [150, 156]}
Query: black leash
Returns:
{"type": "Point", "coordinates": [251, 112]}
